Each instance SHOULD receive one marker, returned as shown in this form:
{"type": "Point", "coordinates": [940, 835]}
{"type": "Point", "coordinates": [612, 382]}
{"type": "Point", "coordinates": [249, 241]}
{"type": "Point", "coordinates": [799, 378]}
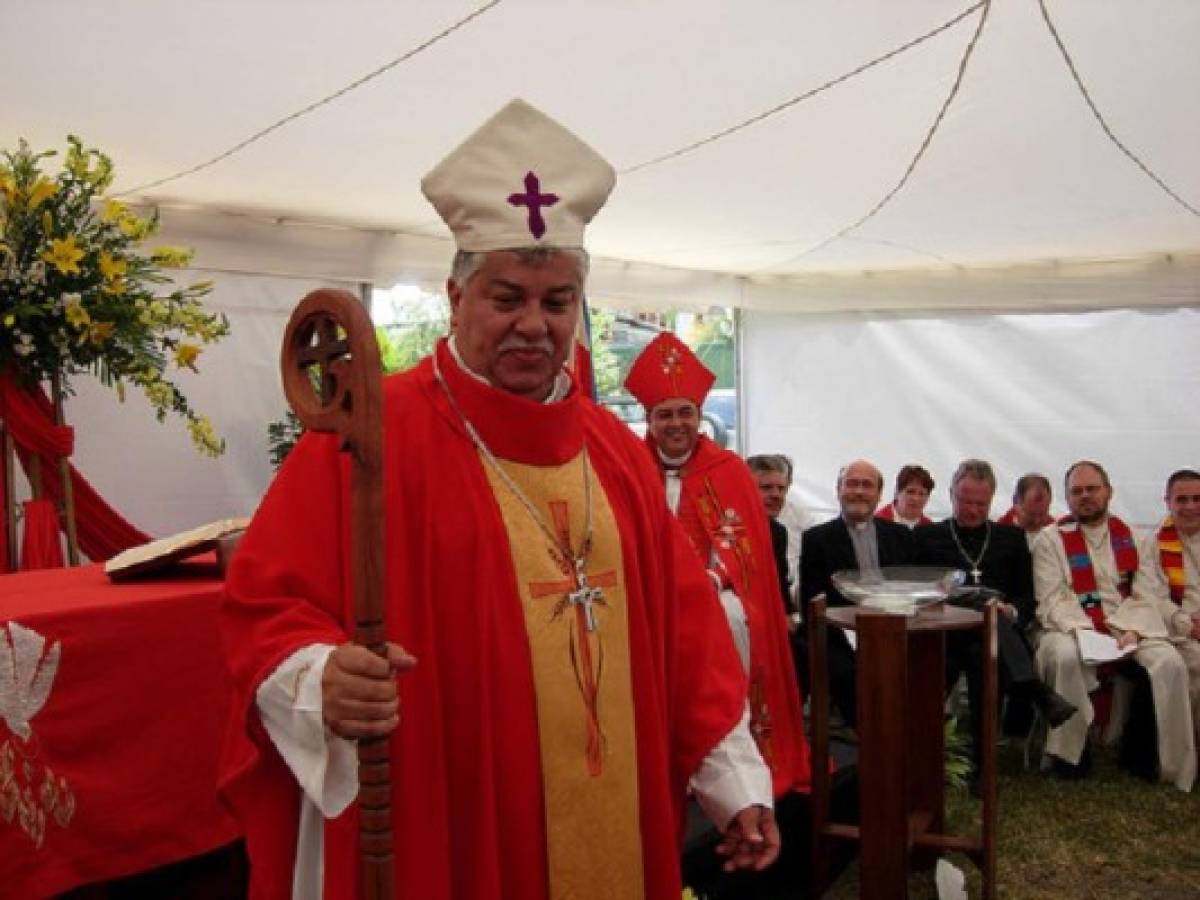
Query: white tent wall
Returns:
{"type": "Point", "coordinates": [150, 472]}
{"type": "Point", "coordinates": [1026, 391]}
{"type": "Point", "coordinates": [240, 242]}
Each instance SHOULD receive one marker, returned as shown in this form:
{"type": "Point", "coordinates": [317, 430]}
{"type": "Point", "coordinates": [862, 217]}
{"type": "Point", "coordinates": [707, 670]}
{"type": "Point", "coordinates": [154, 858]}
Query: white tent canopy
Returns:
{"type": "Point", "coordinates": [1019, 173]}
{"type": "Point", "coordinates": [845, 201]}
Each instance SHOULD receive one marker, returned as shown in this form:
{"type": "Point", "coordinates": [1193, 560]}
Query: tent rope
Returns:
{"type": "Point", "coordinates": [324, 101]}
{"type": "Point", "coordinates": [925, 144]}
{"type": "Point", "coordinates": [1087, 97]}
{"type": "Point", "coordinates": [807, 95]}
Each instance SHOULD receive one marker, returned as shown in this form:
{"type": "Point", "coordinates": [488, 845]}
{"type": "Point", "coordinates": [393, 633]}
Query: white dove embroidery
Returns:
{"type": "Point", "coordinates": [25, 676]}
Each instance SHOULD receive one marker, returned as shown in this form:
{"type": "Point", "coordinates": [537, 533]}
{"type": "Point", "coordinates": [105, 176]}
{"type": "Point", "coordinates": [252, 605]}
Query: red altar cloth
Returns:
{"type": "Point", "coordinates": [130, 733]}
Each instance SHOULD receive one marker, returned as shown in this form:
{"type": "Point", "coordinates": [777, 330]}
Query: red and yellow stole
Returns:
{"type": "Point", "coordinates": [1083, 575]}
{"type": "Point", "coordinates": [1170, 554]}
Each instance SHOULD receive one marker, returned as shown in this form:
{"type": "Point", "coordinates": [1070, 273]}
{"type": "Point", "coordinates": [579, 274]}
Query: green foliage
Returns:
{"type": "Point", "coordinates": [399, 349]}
{"type": "Point", "coordinates": [282, 437]}
{"type": "Point", "coordinates": [958, 756]}
{"type": "Point", "coordinates": [605, 363]}
{"type": "Point", "coordinates": [1108, 837]}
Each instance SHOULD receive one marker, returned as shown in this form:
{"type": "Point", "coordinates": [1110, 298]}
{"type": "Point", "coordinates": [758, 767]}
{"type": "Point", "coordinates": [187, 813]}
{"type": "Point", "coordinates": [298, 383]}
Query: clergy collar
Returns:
{"type": "Point", "coordinates": [562, 381]}
{"type": "Point", "coordinates": [859, 526]}
{"type": "Point", "coordinates": [512, 427]}
{"type": "Point", "coordinates": [673, 463]}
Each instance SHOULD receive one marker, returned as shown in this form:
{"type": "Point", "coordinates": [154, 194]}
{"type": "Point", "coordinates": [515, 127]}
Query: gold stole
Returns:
{"type": "Point", "coordinates": [583, 684]}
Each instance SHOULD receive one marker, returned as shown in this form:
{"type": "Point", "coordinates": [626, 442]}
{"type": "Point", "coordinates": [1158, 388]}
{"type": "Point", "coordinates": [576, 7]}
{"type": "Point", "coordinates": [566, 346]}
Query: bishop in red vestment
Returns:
{"type": "Point", "coordinates": [571, 670]}
{"type": "Point", "coordinates": [717, 501]}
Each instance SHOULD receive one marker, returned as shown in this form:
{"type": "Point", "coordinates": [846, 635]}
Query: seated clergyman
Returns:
{"type": "Point", "coordinates": [1083, 575]}
{"type": "Point", "coordinates": [855, 540]}
{"type": "Point", "coordinates": [1169, 574]}
{"type": "Point", "coordinates": [995, 557]}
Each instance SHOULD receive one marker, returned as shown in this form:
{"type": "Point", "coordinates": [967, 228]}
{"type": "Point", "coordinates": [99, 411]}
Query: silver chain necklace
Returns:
{"type": "Point", "coordinates": [584, 595]}
{"type": "Point", "coordinates": [976, 573]}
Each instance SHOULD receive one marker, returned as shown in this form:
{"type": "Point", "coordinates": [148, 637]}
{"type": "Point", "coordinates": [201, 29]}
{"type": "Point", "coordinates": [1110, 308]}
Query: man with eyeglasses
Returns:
{"type": "Point", "coordinates": [854, 540]}
{"type": "Point", "coordinates": [1083, 570]}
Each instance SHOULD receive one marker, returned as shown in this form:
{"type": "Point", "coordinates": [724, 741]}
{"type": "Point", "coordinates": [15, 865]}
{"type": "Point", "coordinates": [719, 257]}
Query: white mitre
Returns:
{"type": "Point", "coordinates": [520, 180]}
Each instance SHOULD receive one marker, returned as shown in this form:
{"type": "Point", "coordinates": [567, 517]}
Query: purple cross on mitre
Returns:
{"type": "Point", "coordinates": [534, 199]}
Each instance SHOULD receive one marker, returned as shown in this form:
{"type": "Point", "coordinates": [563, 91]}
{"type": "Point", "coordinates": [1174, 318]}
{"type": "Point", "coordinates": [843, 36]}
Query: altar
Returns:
{"type": "Point", "coordinates": [114, 702]}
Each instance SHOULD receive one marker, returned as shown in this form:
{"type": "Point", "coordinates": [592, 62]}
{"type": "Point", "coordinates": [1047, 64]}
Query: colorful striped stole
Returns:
{"type": "Point", "coordinates": [1083, 575]}
{"type": "Point", "coordinates": [1170, 555]}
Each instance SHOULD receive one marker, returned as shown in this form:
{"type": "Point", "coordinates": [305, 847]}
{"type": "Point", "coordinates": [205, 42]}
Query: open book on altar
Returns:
{"type": "Point", "coordinates": [1096, 648]}
{"type": "Point", "coordinates": [161, 554]}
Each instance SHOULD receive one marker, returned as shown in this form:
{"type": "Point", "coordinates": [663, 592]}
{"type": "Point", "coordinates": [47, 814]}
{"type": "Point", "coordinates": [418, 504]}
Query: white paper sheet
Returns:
{"type": "Point", "coordinates": [1096, 648]}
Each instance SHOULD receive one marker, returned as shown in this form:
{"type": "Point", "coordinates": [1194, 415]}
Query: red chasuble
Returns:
{"type": "Point", "coordinates": [721, 510]}
{"type": "Point", "coordinates": [471, 819]}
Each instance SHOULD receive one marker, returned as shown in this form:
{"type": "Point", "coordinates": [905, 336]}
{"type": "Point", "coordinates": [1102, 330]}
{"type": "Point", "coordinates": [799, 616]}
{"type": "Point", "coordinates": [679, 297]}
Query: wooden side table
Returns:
{"type": "Point", "coordinates": [901, 663]}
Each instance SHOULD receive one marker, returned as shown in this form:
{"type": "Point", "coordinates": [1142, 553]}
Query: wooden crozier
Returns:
{"type": "Point", "coordinates": [331, 376]}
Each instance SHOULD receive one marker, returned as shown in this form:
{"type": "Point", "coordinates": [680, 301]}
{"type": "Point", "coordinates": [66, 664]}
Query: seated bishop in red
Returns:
{"type": "Point", "coordinates": [557, 656]}
{"type": "Point", "coordinates": [714, 494]}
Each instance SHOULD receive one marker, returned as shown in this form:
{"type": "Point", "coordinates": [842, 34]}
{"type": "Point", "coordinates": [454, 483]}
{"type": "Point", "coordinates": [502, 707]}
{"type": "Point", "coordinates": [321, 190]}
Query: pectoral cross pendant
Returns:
{"type": "Point", "coordinates": [977, 575]}
{"type": "Point", "coordinates": [585, 595]}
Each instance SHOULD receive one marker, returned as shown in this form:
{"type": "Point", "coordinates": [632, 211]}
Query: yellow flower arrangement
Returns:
{"type": "Point", "coordinates": [77, 292]}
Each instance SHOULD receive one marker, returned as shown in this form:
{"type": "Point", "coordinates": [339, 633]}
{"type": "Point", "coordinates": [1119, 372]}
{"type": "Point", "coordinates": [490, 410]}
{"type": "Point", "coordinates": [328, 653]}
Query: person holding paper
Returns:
{"type": "Point", "coordinates": [1083, 574]}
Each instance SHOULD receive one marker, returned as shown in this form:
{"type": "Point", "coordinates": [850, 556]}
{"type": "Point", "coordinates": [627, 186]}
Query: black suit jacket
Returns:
{"type": "Point", "coordinates": [826, 548]}
{"type": "Point", "coordinates": [779, 540]}
{"type": "Point", "coordinates": [1006, 566]}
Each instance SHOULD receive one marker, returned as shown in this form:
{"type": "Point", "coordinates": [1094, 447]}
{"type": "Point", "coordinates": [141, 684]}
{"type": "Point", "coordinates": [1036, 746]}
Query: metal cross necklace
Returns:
{"type": "Point", "coordinates": [976, 573]}
{"type": "Point", "coordinates": [585, 595]}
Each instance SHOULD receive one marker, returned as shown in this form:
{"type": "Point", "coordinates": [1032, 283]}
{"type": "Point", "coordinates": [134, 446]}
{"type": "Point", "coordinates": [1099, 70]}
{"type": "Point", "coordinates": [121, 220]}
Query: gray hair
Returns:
{"type": "Point", "coordinates": [978, 469]}
{"type": "Point", "coordinates": [467, 262]}
{"type": "Point", "coordinates": [770, 462]}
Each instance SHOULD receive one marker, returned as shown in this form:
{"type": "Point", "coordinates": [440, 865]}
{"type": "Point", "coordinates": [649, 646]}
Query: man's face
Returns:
{"type": "Point", "coordinates": [910, 502]}
{"type": "Point", "coordinates": [774, 487]}
{"type": "Point", "coordinates": [1184, 503]}
{"type": "Point", "coordinates": [674, 425]}
{"type": "Point", "coordinates": [972, 499]}
{"type": "Point", "coordinates": [1087, 497]}
{"type": "Point", "coordinates": [859, 488]}
{"type": "Point", "coordinates": [1034, 506]}
{"type": "Point", "coordinates": [514, 322]}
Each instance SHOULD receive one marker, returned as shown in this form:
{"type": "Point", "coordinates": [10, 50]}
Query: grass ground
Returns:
{"type": "Point", "coordinates": [1108, 837]}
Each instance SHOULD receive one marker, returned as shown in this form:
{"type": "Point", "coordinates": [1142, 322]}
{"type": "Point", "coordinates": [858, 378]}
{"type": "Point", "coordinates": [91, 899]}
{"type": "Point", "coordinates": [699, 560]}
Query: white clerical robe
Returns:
{"type": "Point", "coordinates": [1060, 666]}
{"type": "Point", "coordinates": [1151, 586]}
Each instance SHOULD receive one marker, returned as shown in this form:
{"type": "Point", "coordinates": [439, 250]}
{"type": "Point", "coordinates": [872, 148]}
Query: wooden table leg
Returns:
{"type": "Point", "coordinates": [883, 763]}
{"type": "Point", "coordinates": [989, 737]}
{"type": "Point", "coordinates": [927, 735]}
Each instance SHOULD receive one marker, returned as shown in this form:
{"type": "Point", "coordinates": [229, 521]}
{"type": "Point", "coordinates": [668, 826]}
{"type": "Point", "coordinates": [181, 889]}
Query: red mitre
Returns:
{"type": "Point", "coordinates": [667, 368]}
